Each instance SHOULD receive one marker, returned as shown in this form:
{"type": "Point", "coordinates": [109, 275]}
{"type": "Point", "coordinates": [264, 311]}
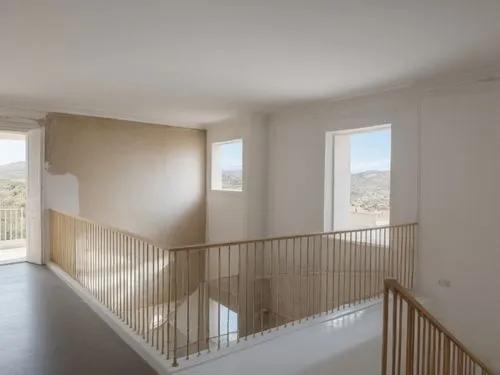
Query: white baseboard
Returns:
{"type": "Point", "coordinates": [150, 355]}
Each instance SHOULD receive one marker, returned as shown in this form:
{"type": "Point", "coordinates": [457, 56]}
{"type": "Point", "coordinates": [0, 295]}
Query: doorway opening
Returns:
{"type": "Point", "coordinates": [13, 197]}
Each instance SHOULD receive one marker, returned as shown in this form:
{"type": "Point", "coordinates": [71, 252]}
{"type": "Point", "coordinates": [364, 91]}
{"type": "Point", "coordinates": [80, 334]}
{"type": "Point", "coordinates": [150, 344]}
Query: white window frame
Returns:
{"type": "Point", "coordinates": [331, 159]}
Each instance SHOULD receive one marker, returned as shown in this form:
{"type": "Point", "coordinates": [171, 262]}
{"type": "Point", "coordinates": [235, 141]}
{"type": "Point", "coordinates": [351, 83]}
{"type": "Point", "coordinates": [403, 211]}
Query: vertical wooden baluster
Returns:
{"type": "Point", "coordinates": [123, 277]}
{"type": "Point", "coordinates": [145, 292]}
{"type": "Point", "coordinates": [460, 355]}
{"type": "Point", "coordinates": [434, 349]}
{"type": "Point", "coordinates": [396, 254]}
{"type": "Point", "coordinates": [175, 286]}
{"type": "Point", "coordinates": [400, 334]}
{"type": "Point", "coordinates": [138, 287]}
{"type": "Point", "coordinates": [343, 246]}
{"type": "Point", "coordinates": [409, 255]}
{"type": "Point", "coordinates": [334, 261]}
{"type": "Point", "coordinates": [238, 304]}
{"type": "Point", "coordinates": [308, 292]}
{"type": "Point", "coordinates": [129, 277]}
{"type": "Point", "coordinates": [447, 356]}
{"type": "Point", "coordinates": [382, 253]}
{"type": "Point", "coordinates": [385, 331]}
{"type": "Point", "coordinates": [301, 293]}
{"type": "Point", "coordinates": [403, 256]}
{"type": "Point", "coordinates": [395, 297]}
{"type": "Point", "coordinates": [105, 237]}
{"type": "Point", "coordinates": [119, 238]}
{"type": "Point", "coordinates": [201, 273]}
{"type": "Point", "coordinates": [162, 293]}
{"type": "Point", "coordinates": [327, 272]}
{"type": "Point", "coordinates": [440, 353]}
{"type": "Point", "coordinates": [188, 301]}
{"type": "Point", "coordinates": [313, 277]}
{"type": "Point", "coordinates": [108, 238]}
{"type": "Point", "coordinates": [273, 290]}
{"type": "Point", "coordinates": [376, 249]}
{"type": "Point", "coordinates": [350, 269]}
{"type": "Point", "coordinates": [453, 359]}
{"type": "Point", "coordinates": [261, 308]}
{"type": "Point", "coordinates": [355, 269]}
{"type": "Point", "coordinates": [158, 271]}
{"type": "Point", "coordinates": [292, 284]}
{"type": "Point", "coordinates": [370, 262]}
{"type": "Point", "coordinates": [247, 288]}
{"type": "Point", "coordinates": [169, 300]}
{"type": "Point", "coordinates": [386, 253]}
{"type": "Point", "coordinates": [419, 338]}
{"type": "Point", "coordinates": [219, 297]}
{"type": "Point", "coordinates": [229, 305]}
{"type": "Point", "coordinates": [278, 295]}
{"type": "Point", "coordinates": [131, 281]}
{"type": "Point", "coordinates": [254, 286]}
{"type": "Point", "coordinates": [114, 243]}
{"type": "Point", "coordinates": [364, 239]}
{"type": "Point", "coordinates": [410, 339]}
{"type": "Point", "coordinates": [100, 273]}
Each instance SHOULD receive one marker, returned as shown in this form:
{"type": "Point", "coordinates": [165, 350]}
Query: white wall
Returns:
{"type": "Point", "coordinates": [444, 173]}
{"type": "Point", "coordinates": [341, 181]}
{"type": "Point", "coordinates": [239, 215]}
{"type": "Point", "coordinates": [297, 156]}
{"type": "Point", "coordinates": [460, 211]}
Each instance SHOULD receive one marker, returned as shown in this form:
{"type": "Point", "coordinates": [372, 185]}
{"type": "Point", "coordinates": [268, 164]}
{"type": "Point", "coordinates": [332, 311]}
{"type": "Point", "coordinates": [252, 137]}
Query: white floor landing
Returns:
{"type": "Point", "coordinates": [347, 345]}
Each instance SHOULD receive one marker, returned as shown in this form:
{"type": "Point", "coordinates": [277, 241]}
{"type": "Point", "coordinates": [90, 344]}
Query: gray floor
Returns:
{"type": "Point", "coordinates": [45, 329]}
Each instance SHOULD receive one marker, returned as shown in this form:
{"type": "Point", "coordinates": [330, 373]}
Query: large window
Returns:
{"type": "Point", "coordinates": [361, 175]}
{"type": "Point", "coordinates": [227, 165]}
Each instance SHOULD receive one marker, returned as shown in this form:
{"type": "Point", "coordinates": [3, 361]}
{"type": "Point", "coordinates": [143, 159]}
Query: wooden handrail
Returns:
{"type": "Point", "coordinates": [394, 286]}
{"type": "Point", "coordinates": [289, 237]}
{"type": "Point", "coordinates": [109, 227]}
{"type": "Point", "coordinates": [145, 285]}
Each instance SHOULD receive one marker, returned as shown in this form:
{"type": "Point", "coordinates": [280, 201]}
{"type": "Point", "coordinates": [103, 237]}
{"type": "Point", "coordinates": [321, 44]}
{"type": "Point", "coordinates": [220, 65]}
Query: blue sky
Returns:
{"type": "Point", "coordinates": [12, 151]}
{"type": "Point", "coordinates": [231, 155]}
{"type": "Point", "coordinates": [371, 151]}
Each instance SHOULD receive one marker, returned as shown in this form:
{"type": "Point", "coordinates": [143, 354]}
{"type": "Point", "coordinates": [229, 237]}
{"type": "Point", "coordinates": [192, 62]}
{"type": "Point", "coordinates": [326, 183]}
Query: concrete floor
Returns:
{"type": "Point", "coordinates": [45, 329]}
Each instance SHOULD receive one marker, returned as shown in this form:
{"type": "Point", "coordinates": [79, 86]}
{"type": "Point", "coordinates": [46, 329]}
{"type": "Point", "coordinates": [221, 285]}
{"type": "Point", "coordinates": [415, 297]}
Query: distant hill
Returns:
{"type": "Point", "coordinates": [370, 190]}
{"type": "Point", "coordinates": [13, 171]}
{"type": "Point", "coordinates": [232, 179]}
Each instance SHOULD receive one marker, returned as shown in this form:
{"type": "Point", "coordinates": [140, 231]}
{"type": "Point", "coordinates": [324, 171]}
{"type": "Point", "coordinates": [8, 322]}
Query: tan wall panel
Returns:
{"type": "Point", "coordinates": [146, 179]}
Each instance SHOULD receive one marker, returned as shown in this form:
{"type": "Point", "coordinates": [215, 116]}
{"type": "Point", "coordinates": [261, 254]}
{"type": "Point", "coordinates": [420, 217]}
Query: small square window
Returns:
{"type": "Point", "coordinates": [227, 165]}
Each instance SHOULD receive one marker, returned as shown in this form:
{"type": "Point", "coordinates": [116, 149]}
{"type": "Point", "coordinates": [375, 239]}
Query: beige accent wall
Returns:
{"type": "Point", "coordinates": [143, 178]}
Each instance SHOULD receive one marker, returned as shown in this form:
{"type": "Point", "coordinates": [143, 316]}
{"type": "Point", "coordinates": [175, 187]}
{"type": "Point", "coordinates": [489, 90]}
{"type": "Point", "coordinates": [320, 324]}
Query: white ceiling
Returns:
{"type": "Point", "coordinates": [190, 62]}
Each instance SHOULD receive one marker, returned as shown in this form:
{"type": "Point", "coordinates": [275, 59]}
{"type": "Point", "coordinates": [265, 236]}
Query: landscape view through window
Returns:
{"type": "Point", "coordinates": [370, 177]}
{"type": "Point", "coordinates": [12, 199]}
{"type": "Point", "coordinates": [231, 159]}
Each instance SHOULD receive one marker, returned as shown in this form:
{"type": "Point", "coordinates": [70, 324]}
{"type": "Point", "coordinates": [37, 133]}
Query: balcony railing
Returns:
{"type": "Point", "coordinates": [190, 300]}
{"type": "Point", "coordinates": [12, 224]}
{"type": "Point", "coordinates": [272, 283]}
{"type": "Point", "coordinates": [414, 342]}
